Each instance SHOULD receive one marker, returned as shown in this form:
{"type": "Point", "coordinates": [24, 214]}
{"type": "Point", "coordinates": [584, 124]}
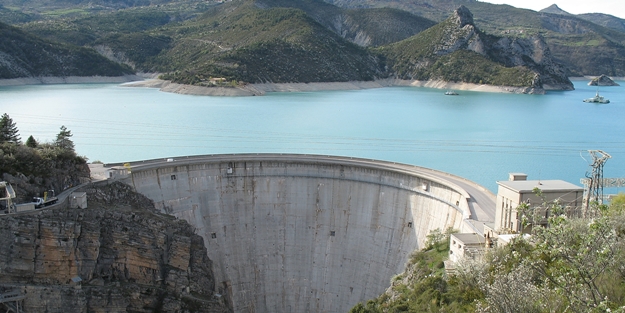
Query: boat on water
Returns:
{"type": "Point", "coordinates": [597, 99]}
{"type": "Point", "coordinates": [451, 93]}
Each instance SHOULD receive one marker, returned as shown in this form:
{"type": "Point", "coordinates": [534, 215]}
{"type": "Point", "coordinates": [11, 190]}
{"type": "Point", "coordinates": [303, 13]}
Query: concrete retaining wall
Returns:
{"type": "Point", "coordinates": [301, 235]}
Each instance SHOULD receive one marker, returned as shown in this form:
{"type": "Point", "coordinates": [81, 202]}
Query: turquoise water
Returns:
{"type": "Point", "coordinates": [480, 136]}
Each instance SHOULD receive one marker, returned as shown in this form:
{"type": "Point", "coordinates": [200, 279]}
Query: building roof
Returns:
{"type": "Point", "coordinates": [505, 239]}
{"type": "Point", "coordinates": [521, 186]}
{"type": "Point", "coordinates": [469, 238]}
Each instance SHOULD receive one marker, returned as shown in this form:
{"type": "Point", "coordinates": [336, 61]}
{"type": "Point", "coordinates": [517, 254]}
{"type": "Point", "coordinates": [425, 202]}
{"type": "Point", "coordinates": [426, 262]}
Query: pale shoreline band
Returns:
{"type": "Point", "coordinates": [261, 89]}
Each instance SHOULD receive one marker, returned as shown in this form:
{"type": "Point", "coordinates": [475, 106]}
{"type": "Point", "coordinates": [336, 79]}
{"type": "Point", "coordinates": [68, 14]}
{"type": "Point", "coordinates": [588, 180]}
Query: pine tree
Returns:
{"type": "Point", "coordinates": [62, 139]}
{"type": "Point", "coordinates": [8, 130]}
{"type": "Point", "coordinates": [31, 142]}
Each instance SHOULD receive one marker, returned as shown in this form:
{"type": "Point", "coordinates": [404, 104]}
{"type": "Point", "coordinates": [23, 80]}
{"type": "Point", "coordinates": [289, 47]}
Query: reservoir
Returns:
{"type": "Point", "coordinates": [479, 136]}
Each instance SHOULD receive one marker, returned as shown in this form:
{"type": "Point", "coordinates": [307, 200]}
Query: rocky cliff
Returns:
{"type": "Point", "coordinates": [456, 50]}
{"type": "Point", "coordinates": [118, 255]}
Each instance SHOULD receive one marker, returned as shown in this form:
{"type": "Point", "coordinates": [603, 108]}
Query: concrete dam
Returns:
{"type": "Point", "coordinates": [306, 233]}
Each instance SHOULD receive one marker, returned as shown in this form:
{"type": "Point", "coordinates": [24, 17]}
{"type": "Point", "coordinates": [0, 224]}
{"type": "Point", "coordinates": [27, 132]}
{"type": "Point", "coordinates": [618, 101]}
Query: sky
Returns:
{"type": "Point", "coordinates": [612, 7]}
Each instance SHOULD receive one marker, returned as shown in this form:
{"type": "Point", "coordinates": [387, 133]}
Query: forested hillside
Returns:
{"type": "Point", "coordinates": [25, 55]}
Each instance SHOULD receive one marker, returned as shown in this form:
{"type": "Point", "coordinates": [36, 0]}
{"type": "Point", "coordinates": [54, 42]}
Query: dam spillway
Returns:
{"type": "Point", "coordinates": [303, 233]}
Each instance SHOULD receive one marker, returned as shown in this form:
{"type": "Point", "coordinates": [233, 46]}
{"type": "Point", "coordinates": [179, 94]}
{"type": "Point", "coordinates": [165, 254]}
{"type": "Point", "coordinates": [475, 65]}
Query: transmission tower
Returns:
{"type": "Point", "coordinates": [595, 186]}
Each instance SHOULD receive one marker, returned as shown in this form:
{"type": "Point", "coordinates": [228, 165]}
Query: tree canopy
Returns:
{"type": "Point", "coordinates": [8, 130]}
{"type": "Point", "coordinates": [31, 142]}
{"type": "Point", "coordinates": [63, 140]}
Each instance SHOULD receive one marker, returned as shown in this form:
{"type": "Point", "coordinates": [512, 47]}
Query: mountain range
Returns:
{"type": "Point", "coordinates": [253, 41]}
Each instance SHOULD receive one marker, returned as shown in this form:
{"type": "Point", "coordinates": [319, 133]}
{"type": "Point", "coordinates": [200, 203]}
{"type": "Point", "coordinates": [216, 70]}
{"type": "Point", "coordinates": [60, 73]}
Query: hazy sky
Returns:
{"type": "Point", "coordinates": [612, 7]}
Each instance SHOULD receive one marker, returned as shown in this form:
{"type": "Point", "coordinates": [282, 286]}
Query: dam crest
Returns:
{"type": "Point", "coordinates": [305, 233]}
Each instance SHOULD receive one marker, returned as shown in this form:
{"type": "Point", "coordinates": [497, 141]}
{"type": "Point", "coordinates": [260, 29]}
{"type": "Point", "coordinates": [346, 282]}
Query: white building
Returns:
{"type": "Point", "coordinates": [510, 194]}
{"type": "Point", "coordinates": [466, 245]}
{"type": "Point", "coordinates": [518, 190]}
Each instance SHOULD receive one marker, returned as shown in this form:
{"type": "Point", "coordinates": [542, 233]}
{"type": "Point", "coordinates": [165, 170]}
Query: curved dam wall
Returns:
{"type": "Point", "coordinates": [301, 233]}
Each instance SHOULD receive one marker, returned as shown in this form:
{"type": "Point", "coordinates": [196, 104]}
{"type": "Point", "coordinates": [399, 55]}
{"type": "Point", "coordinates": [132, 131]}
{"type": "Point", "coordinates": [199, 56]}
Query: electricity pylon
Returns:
{"type": "Point", "coordinates": [595, 186]}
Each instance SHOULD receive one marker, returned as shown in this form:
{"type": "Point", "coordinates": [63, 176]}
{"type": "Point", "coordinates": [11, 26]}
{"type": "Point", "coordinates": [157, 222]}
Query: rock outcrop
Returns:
{"type": "Point", "coordinates": [554, 9]}
{"type": "Point", "coordinates": [602, 80]}
{"type": "Point", "coordinates": [117, 255]}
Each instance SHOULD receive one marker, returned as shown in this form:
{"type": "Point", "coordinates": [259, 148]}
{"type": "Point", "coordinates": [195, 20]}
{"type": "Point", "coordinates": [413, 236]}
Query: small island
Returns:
{"type": "Point", "coordinates": [602, 80]}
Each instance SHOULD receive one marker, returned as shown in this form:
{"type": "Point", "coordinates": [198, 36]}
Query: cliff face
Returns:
{"type": "Point", "coordinates": [533, 53]}
{"type": "Point", "coordinates": [456, 50]}
{"type": "Point", "coordinates": [128, 257]}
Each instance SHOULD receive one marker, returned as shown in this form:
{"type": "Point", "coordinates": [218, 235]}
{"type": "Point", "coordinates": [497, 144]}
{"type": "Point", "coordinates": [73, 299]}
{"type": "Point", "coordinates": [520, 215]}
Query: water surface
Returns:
{"type": "Point", "coordinates": [480, 136]}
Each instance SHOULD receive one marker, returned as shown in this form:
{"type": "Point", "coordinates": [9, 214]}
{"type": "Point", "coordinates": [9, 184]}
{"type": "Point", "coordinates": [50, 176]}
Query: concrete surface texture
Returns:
{"type": "Point", "coordinates": [301, 233]}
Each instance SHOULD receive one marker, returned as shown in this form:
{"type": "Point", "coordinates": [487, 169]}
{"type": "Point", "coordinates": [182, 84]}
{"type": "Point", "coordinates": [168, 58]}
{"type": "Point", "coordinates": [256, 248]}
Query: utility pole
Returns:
{"type": "Point", "coordinates": [595, 186]}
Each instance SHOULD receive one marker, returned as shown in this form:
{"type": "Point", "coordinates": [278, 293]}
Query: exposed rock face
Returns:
{"type": "Point", "coordinates": [534, 53]}
{"type": "Point", "coordinates": [602, 80]}
{"type": "Point", "coordinates": [128, 257]}
{"type": "Point", "coordinates": [463, 16]}
{"type": "Point", "coordinates": [536, 70]}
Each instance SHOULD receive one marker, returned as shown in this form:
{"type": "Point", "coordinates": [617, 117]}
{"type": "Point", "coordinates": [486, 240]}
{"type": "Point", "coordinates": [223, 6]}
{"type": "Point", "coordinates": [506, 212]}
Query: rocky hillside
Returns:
{"type": "Point", "coordinates": [456, 50]}
{"type": "Point", "coordinates": [128, 257]}
{"type": "Point", "coordinates": [605, 20]}
{"type": "Point", "coordinates": [253, 43]}
{"type": "Point", "coordinates": [25, 55]}
{"type": "Point", "coordinates": [586, 46]}
{"type": "Point", "coordinates": [601, 19]}
{"type": "Point", "coordinates": [365, 27]}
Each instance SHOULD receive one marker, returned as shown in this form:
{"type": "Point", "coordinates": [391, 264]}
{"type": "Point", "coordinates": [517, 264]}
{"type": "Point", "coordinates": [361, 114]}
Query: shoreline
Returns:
{"type": "Point", "coordinates": [261, 89]}
{"type": "Point", "coordinates": [148, 81]}
{"type": "Point", "coordinates": [50, 80]}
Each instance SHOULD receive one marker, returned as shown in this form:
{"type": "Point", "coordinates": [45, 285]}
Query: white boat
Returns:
{"type": "Point", "coordinates": [451, 93]}
{"type": "Point", "coordinates": [597, 99]}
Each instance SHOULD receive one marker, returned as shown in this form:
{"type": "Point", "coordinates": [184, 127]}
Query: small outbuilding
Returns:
{"type": "Point", "coordinates": [466, 245]}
